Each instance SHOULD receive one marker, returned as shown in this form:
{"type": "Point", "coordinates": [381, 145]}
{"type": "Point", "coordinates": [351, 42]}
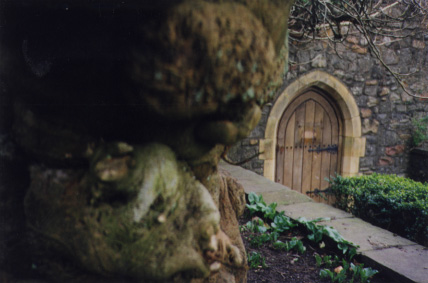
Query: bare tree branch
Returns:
{"type": "Point", "coordinates": [371, 18]}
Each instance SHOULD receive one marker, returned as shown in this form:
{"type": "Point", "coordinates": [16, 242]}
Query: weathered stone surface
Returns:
{"type": "Point", "coordinates": [366, 112]}
{"type": "Point", "coordinates": [419, 44]}
{"type": "Point", "coordinates": [231, 207]}
{"type": "Point", "coordinates": [384, 91]}
{"type": "Point", "coordinates": [363, 41]}
{"type": "Point", "coordinates": [352, 39]}
{"type": "Point", "coordinates": [359, 78]}
{"type": "Point", "coordinates": [99, 215]}
{"type": "Point", "coordinates": [174, 80]}
{"type": "Point", "coordinates": [390, 138]}
{"type": "Point", "coordinates": [370, 90]}
{"type": "Point", "coordinates": [358, 49]}
{"type": "Point", "coordinates": [405, 137]}
{"type": "Point", "coordinates": [401, 108]}
{"type": "Point", "coordinates": [254, 142]}
{"type": "Point", "coordinates": [373, 87]}
{"type": "Point", "coordinates": [370, 126]}
{"type": "Point", "coordinates": [394, 97]}
{"type": "Point", "coordinates": [372, 101]}
{"type": "Point", "coordinates": [394, 150]}
{"type": "Point", "coordinates": [372, 82]}
{"type": "Point", "coordinates": [369, 238]}
{"type": "Point", "coordinates": [402, 260]}
{"type": "Point", "coordinates": [357, 90]}
{"type": "Point", "coordinates": [385, 161]}
{"type": "Point", "coordinates": [370, 150]}
{"type": "Point", "coordinates": [274, 192]}
{"type": "Point", "coordinates": [390, 57]}
{"type": "Point", "coordinates": [385, 107]}
{"type": "Point", "coordinates": [313, 210]}
{"type": "Point", "coordinates": [339, 73]}
{"type": "Point", "coordinates": [319, 61]}
{"type": "Point", "coordinates": [212, 27]}
{"type": "Point", "coordinates": [365, 64]}
{"type": "Point", "coordinates": [366, 162]}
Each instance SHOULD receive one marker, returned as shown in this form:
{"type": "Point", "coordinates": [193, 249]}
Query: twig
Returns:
{"type": "Point", "coordinates": [226, 158]}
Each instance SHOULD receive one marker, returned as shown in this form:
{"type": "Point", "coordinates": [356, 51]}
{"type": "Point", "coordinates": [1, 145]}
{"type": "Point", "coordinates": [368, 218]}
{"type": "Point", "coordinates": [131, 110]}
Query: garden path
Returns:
{"type": "Point", "coordinates": [403, 260]}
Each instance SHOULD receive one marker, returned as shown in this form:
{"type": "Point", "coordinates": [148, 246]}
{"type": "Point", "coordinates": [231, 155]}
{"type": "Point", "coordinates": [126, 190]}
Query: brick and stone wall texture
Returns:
{"type": "Point", "coordinates": [386, 110]}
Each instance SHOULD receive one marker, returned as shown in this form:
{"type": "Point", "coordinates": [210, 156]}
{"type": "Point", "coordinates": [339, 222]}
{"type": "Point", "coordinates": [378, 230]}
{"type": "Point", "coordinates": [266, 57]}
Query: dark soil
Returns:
{"type": "Point", "coordinates": [289, 266]}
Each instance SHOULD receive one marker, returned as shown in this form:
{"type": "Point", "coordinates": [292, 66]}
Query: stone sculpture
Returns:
{"type": "Point", "coordinates": [123, 110]}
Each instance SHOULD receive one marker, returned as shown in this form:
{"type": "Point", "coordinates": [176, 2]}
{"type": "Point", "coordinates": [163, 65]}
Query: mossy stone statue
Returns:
{"type": "Point", "coordinates": [122, 110]}
{"type": "Point", "coordinates": [138, 212]}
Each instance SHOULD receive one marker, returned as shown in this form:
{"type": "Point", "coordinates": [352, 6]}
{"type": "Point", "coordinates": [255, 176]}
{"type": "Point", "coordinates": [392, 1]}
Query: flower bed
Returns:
{"type": "Point", "coordinates": [280, 249]}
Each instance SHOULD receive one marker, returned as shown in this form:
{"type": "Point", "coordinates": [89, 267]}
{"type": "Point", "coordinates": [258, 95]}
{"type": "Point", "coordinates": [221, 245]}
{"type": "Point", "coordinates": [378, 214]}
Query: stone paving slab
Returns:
{"type": "Point", "coordinates": [271, 191]}
{"type": "Point", "coordinates": [313, 210]}
{"type": "Point", "coordinates": [366, 235]}
{"type": "Point", "coordinates": [285, 197]}
{"type": "Point", "coordinates": [405, 260]}
{"type": "Point", "coordinates": [410, 262]}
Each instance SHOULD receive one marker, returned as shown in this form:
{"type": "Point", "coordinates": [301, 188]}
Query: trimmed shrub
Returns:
{"type": "Point", "coordinates": [397, 204]}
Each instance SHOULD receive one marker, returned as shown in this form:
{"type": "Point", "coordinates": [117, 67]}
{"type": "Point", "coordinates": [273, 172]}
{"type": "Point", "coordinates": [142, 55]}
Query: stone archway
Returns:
{"type": "Point", "coordinates": [352, 142]}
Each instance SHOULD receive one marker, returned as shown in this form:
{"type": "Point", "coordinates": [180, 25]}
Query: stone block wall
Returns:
{"type": "Point", "coordinates": [386, 110]}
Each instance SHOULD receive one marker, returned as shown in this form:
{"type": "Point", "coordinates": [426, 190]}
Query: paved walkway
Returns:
{"type": "Point", "coordinates": [405, 261]}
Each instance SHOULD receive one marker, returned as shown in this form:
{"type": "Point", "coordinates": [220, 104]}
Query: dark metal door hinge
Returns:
{"type": "Point", "coordinates": [330, 149]}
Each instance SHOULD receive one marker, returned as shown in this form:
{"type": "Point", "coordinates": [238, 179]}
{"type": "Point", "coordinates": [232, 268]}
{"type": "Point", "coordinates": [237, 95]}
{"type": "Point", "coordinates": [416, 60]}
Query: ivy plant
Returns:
{"type": "Point", "coordinates": [420, 131]}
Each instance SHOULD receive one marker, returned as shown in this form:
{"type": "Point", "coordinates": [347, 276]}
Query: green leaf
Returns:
{"type": "Point", "coordinates": [332, 233]}
{"type": "Point", "coordinates": [281, 246]}
{"type": "Point", "coordinates": [326, 274]}
{"type": "Point", "coordinates": [366, 273]}
{"type": "Point", "coordinates": [300, 247]}
{"type": "Point", "coordinates": [318, 260]}
{"type": "Point", "coordinates": [256, 260]}
{"type": "Point", "coordinates": [261, 229]}
{"type": "Point", "coordinates": [252, 198]}
{"type": "Point", "coordinates": [252, 207]}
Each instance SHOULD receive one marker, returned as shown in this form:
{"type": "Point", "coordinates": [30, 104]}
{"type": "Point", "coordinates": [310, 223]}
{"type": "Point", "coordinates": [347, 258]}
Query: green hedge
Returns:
{"type": "Point", "coordinates": [397, 204]}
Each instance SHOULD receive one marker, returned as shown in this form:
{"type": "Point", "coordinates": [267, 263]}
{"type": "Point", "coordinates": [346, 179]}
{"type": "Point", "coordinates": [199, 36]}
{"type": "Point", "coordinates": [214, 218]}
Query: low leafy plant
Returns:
{"type": "Point", "coordinates": [294, 243]}
{"type": "Point", "coordinates": [257, 240]}
{"type": "Point", "coordinates": [397, 204]}
{"type": "Point", "coordinates": [361, 273]}
{"type": "Point", "coordinates": [333, 276]}
{"type": "Point", "coordinates": [264, 233]}
{"type": "Point", "coordinates": [341, 271]}
{"type": "Point", "coordinates": [282, 223]}
{"type": "Point", "coordinates": [257, 204]}
{"type": "Point", "coordinates": [256, 260]}
{"type": "Point", "coordinates": [319, 231]}
{"type": "Point", "coordinates": [326, 260]}
{"type": "Point", "coordinates": [256, 225]}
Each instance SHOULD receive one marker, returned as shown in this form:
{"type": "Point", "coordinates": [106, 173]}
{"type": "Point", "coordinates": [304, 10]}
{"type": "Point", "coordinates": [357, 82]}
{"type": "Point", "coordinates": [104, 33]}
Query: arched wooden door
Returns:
{"type": "Point", "coordinates": [308, 145]}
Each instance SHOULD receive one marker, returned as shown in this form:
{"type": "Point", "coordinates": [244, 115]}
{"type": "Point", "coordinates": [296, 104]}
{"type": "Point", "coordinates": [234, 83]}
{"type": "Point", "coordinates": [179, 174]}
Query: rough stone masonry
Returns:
{"type": "Point", "coordinates": [386, 111]}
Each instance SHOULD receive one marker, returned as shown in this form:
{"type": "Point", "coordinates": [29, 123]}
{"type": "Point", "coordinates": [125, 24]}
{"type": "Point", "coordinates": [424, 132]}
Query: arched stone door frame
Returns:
{"type": "Point", "coordinates": [352, 143]}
